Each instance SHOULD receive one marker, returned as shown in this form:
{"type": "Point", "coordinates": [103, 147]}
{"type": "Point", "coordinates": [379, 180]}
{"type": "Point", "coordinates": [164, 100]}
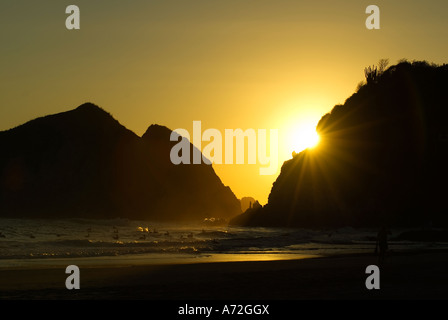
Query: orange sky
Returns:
{"type": "Point", "coordinates": [230, 64]}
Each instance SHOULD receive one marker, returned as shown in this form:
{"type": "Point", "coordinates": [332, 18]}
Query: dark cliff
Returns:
{"type": "Point", "coordinates": [84, 163]}
{"type": "Point", "coordinates": [382, 158]}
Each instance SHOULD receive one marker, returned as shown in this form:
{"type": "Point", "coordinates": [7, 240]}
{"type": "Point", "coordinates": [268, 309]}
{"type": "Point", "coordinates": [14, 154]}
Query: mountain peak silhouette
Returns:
{"type": "Point", "coordinates": [84, 163]}
{"type": "Point", "coordinates": [156, 131]}
{"type": "Point", "coordinates": [89, 107]}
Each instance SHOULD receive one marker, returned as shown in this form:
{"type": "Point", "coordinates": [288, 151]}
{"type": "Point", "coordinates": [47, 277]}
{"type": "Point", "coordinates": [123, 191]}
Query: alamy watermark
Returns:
{"type": "Point", "coordinates": [373, 280]}
{"type": "Point", "coordinates": [73, 280]}
{"type": "Point", "coordinates": [234, 140]}
{"type": "Point", "coordinates": [72, 22]}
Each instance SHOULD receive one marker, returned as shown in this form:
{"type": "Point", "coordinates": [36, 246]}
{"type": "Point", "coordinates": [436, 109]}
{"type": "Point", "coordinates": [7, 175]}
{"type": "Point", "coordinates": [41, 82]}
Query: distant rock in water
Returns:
{"type": "Point", "coordinates": [382, 158]}
{"type": "Point", "coordinates": [84, 163]}
{"type": "Point", "coordinates": [246, 203]}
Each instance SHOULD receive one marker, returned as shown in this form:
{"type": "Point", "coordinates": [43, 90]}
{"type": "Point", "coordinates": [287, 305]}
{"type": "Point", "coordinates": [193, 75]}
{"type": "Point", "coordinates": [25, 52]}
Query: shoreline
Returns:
{"type": "Point", "coordinates": [145, 259]}
{"type": "Point", "coordinates": [404, 275]}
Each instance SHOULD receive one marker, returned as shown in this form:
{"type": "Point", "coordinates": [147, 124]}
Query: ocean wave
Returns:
{"type": "Point", "coordinates": [123, 222]}
{"type": "Point", "coordinates": [30, 239]}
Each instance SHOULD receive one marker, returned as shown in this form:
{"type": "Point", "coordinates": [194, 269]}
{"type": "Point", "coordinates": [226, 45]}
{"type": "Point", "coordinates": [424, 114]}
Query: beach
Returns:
{"type": "Point", "coordinates": [403, 275]}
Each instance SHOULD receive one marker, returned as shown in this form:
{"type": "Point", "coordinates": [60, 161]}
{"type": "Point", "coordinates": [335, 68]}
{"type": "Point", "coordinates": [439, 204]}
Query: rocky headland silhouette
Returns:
{"type": "Point", "coordinates": [83, 163]}
{"type": "Point", "coordinates": [382, 158]}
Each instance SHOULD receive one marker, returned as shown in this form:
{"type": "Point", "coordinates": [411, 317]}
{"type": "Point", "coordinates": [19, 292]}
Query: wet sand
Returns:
{"type": "Point", "coordinates": [411, 275]}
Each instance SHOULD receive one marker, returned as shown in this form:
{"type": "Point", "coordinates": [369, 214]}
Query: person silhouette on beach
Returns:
{"type": "Point", "coordinates": [382, 243]}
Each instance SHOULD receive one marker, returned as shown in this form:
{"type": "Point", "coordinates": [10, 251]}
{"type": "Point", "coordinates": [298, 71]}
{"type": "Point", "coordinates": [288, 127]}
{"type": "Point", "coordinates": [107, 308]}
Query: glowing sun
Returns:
{"type": "Point", "coordinates": [303, 137]}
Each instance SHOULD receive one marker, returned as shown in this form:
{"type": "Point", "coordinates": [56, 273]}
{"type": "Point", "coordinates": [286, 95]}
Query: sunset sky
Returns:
{"type": "Point", "coordinates": [229, 63]}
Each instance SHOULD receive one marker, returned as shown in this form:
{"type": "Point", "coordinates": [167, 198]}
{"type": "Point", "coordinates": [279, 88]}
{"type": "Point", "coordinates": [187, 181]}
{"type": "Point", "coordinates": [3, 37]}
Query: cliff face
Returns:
{"type": "Point", "coordinates": [194, 189]}
{"type": "Point", "coordinates": [84, 163]}
{"type": "Point", "coordinates": [382, 158]}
